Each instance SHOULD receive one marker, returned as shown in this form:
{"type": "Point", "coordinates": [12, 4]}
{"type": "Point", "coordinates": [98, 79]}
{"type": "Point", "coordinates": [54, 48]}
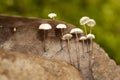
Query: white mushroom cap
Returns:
{"type": "Point", "coordinates": [45, 26]}
{"type": "Point", "coordinates": [76, 30]}
{"type": "Point", "coordinates": [67, 36]}
{"type": "Point", "coordinates": [91, 22]}
{"type": "Point", "coordinates": [83, 38]}
{"type": "Point", "coordinates": [14, 29]}
{"type": "Point", "coordinates": [52, 15]}
{"type": "Point", "coordinates": [60, 26]}
{"type": "Point", "coordinates": [84, 20]}
{"type": "Point", "coordinates": [90, 36]}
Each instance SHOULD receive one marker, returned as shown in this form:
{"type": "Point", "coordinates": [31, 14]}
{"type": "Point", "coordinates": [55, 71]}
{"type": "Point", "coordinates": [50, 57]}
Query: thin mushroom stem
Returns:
{"type": "Point", "coordinates": [89, 61]}
{"type": "Point", "coordinates": [90, 58]}
{"type": "Point", "coordinates": [44, 48]}
{"type": "Point", "coordinates": [69, 47]}
{"type": "Point", "coordinates": [61, 42]}
{"type": "Point", "coordinates": [90, 30]}
{"type": "Point", "coordinates": [61, 32]}
{"type": "Point", "coordinates": [85, 29]}
{"type": "Point", "coordinates": [91, 41]}
{"type": "Point", "coordinates": [83, 43]}
{"type": "Point", "coordinates": [76, 37]}
{"type": "Point", "coordinates": [92, 50]}
{"type": "Point", "coordinates": [52, 18]}
{"type": "Point", "coordinates": [77, 50]}
{"type": "Point", "coordinates": [90, 53]}
{"type": "Point", "coordinates": [86, 35]}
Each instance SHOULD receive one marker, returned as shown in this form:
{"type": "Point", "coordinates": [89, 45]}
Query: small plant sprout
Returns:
{"type": "Point", "coordinates": [44, 27]}
{"type": "Point", "coordinates": [91, 23]}
{"type": "Point", "coordinates": [52, 15]}
{"type": "Point", "coordinates": [84, 21]}
{"type": "Point", "coordinates": [77, 31]}
{"type": "Point", "coordinates": [61, 27]}
{"type": "Point", "coordinates": [83, 38]}
{"type": "Point", "coordinates": [67, 37]}
{"type": "Point", "coordinates": [14, 29]}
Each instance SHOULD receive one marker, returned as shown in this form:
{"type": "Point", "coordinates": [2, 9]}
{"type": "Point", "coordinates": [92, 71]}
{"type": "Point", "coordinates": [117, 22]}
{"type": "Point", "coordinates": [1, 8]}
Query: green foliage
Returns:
{"type": "Point", "coordinates": [105, 12]}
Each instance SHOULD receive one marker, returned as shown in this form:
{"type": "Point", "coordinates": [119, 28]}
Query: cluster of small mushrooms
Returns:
{"type": "Point", "coordinates": [84, 21]}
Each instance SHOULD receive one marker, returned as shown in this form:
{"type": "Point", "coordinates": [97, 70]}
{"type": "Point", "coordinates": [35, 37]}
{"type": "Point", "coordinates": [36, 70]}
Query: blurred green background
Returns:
{"type": "Point", "coordinates": [105, 12]}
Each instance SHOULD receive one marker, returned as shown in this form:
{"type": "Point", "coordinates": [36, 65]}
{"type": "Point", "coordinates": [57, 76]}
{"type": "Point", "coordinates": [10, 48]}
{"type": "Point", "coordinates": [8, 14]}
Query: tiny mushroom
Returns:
{"type": "Point", "coordinates": [61, 27]}
{"type": "Point", "coordinates": [91, 23]}
{"type": "Point", "coordinates": [76, 31]}
{"type": "Point", "coordinates": [84, 21]}
{"type": "Point", "coordinates": [83, 38]}
{"type": "Point", "coordinates": [68, 37]}
{"type": "Point", "coordinates": [14, 29]}
{"type": "Point", "coordinates": [90, 36]}
{"type": "Point", "coordinates": [52, 15]}
{"type": "Point", "coordinates": [44, 27]}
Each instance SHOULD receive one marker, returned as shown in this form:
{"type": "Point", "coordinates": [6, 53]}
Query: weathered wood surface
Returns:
{"type": "Point", "coordinates": [28, 39]}
{"type": "Point", "coordinates": [16, 66]}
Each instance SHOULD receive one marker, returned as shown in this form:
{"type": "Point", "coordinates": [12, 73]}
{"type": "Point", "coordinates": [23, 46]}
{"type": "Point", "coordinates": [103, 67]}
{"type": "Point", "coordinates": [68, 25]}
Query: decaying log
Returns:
{"type": "Point", "coordinates": [28, 39]}
{"type": "Point", "coordinates": [16, 66]}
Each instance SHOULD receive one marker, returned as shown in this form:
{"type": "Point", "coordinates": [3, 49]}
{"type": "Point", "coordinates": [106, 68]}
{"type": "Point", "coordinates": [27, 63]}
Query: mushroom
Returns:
{"type": "Point", "coordinates": [14, 29]}
{"type": "Point", "coordinates": [83, 38]}
{"type": "Point", "coordinates": [67, 37]}
{"type": "Point", "coordinates": [44, 27]}
{"type": "Point", "coordinates": [52, 15]}
{"type": "Point", "coordinates": [84, 21]}
{"type": "Point", "coordinates": [91, 36]}
{"type": "Point", "coordinates": [91, 23]}
{"type": "Point", "coordinates": [77, 31]}
{"type": "Point", "coordinates": [61, 27]}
